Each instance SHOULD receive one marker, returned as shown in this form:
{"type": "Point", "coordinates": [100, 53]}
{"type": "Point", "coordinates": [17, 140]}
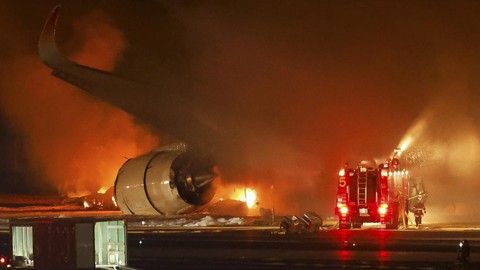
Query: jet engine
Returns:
{"type": "Point", "coordinates": [167, 181]}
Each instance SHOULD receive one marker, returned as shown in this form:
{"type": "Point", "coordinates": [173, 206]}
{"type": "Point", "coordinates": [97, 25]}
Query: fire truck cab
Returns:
{"type": "Point", "coordinates": [366, 194]}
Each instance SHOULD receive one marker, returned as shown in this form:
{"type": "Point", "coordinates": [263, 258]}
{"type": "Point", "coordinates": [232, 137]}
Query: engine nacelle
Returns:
{"type": "Point", "coordinates": [167, 182]}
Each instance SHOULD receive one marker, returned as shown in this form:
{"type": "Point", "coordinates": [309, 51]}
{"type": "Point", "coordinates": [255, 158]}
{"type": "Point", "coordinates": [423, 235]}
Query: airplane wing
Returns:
{"type": "Point", "coordinates": [170, 113]}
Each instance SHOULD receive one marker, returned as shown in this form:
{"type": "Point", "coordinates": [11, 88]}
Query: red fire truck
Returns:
{"type": "Point", "coordinates": [367, 194]}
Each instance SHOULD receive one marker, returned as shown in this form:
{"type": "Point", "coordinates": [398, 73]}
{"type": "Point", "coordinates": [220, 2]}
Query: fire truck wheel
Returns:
{"type": "Point", "coordinates": [347, 225]}
{"type": "Point", "coordinates": [393, 225]}
{"type": "Point", "coordinates": [357, 225]}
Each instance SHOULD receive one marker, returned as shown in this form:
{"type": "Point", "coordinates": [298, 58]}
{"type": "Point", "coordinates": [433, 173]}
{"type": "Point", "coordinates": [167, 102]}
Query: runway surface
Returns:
{"type": "Point", "coordinates": [203, 242]}
{"type": "Point", "coordinates": [327, 249]}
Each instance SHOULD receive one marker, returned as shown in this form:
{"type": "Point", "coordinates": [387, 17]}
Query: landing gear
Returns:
{"type": "Point", "coordinates": [357, 225]}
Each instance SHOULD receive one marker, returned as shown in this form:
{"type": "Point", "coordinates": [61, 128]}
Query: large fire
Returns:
{"type": "Point", "coordinates": [95, 136]}
{"type": "Point", "coordinates": [247, 195]}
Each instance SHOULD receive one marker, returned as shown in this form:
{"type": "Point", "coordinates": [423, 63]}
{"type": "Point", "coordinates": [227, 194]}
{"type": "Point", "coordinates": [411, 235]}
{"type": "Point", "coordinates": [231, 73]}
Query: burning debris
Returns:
{"type": "Point", "coordinates": [100, 201]}
{"type": "Point", "coordinates": [246, 195]}
{"type": "Point", "coordinates": [235, 201]}
{"type": "Point", "coordinates": [228, 207]}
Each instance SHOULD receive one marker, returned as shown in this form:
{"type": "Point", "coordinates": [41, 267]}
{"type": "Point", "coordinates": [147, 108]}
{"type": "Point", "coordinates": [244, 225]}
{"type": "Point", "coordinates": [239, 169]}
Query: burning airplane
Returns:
{"type": "Point", "coordinates": [175, 179]}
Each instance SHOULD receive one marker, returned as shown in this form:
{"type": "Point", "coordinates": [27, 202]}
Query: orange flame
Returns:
{"type": "Point", "coordinates": [102, 190]}
{"type": "Point", "coordinates": [247, 195]}
{"type": "Point", "coordinates": [94, 137]}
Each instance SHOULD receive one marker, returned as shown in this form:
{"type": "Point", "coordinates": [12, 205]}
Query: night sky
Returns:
{"type": "Point", "coordinates": [295, 88]}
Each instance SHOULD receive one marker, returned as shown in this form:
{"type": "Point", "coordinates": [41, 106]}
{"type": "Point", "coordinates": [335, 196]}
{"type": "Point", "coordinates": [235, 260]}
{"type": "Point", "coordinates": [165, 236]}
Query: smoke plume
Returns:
{"type": "Point", "coordinates": [305, 87]}
{"type": "Point", "coordinates": [296, 89]}
{"type": "Point", "coordinates": [77, 142]}
{"type": "Point", "coordinates": [443, 148]}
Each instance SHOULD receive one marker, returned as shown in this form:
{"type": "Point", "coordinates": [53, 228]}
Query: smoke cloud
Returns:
{"type": "Point", "coordinates": [77, 142]}
{"type": "Point", "coordinates": [305, 87]}
{"type": "Point", "coordinates": [296, 89]}
{"type": "Point", "coordinates": [443, 148]}
{"type": "Point", "coordinates": [301, 91]}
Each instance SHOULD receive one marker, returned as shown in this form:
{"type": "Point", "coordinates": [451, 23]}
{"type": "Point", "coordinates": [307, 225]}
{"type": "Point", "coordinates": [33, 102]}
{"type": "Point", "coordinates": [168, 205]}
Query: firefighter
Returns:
{"type": "Point", "coordinates": [418, 211]}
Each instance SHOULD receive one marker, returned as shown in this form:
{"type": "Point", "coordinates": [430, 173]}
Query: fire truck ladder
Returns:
{"type": "Point", "coordinates": [362, 188]}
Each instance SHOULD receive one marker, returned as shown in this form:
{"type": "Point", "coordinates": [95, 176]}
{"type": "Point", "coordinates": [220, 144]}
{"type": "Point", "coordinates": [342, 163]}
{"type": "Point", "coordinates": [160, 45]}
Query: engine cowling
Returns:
{"type": "Point", "coordinates": [166, 182]}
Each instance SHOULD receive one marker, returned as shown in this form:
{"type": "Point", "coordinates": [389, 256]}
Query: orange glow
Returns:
{"type": "Point", "coordinates": [250, 197]}
{"type": "Point", "coordinates": [247, 195]}
{"type": "Point", "coordinates": [102, 190]}
{"type": "Point", "coordinates": [95, 137]}
{"type": "Point", "coordinates": [114, 201]}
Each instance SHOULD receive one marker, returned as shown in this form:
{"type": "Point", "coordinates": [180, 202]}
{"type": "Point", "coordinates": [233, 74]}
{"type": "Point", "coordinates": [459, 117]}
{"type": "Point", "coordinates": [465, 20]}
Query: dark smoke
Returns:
{"type": "Point", "coordinates": [306, 86]}
{"type": "Point", "coordinates": [297, 88]}
{"type": "Point", "coordinates": [77, 142]}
